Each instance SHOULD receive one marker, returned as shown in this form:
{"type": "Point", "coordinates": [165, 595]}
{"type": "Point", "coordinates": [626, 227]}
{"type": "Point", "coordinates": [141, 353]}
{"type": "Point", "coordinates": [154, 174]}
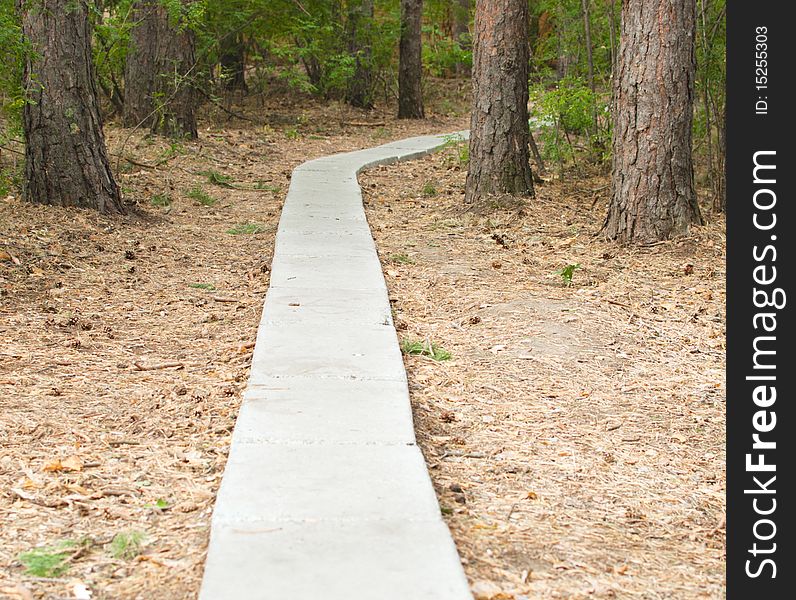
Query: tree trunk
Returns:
{"type": "Point", "coordinates": [589, 50]}
{"type": "Point", "coordinates": [410, 69]}
{"type": "Point", "coordinates": [158, 89]}
{"type": "Point", "coordinates": [66, 162]}
{"type": "Point", "coordinates": [499, 155]}
{"type": "Point", "coordinates": [653, 195]}
{"type": "Point", "coordinates": [233, 63]}
{"type": "Point", "coordinates": [360, 31]}
{"type": "Point", "coordinates": [461, 33]}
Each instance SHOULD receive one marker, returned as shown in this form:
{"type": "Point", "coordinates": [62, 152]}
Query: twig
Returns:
{"type": "Point", "coordinates": [168, 365]}
{"type": "Point", "coordinates": [232, 113]}
{"type": "Point", "coordinates": [364, 123]}
{"type": "Point", "coordinates": [223, 299]}
{"type": "Point", "coordinates": [12, 150]}
{"type": "Point", "coordinates": [618, 304]}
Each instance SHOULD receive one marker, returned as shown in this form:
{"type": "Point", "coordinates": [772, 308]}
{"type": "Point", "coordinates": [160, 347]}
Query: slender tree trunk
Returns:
{"type": "Point", "coordinates": [66, 162]}
{"type": "Point", "coordinates": [653, 195]}
{"type": "Point", "coordinates": [499, 134]}
{"type": "Point", "coordinates": [233, 63]}
{"type": "Point", "coordinates": [589, 50]}
{"type": "Point", "coordinates": [612, 30]}
{"type": "Point", "coordinates": [461, 32]}
{"type": "Point", "coordinates": [158, 89]}
{"type": "Point", "coordinates": [410, 68]}
{"type": "Point", "coordinates": [360, 31]}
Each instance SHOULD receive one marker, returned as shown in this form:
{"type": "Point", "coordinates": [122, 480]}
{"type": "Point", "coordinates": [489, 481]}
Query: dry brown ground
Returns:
{"type": "Point", "coordinates": [576, 438]}
{"type": "Point", "coordinates": [125, 344]}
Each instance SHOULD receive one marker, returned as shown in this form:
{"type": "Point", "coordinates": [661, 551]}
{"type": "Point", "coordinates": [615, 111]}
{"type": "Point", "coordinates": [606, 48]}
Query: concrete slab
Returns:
{"type": "Point", "coordinates": [325, 482]}
{"type": "Point", "coordinates": [321, 306]}
{"type": "Point", "coordinates": [296, 243]}
{"type": "Point", "coordinates": [332, 272]}
{"type": "Point", "coordinates": [334, 350]}
{"type": "Point", "coordinates": [377, 560]}
{"type": "Point", "coordinates": [335, 411]}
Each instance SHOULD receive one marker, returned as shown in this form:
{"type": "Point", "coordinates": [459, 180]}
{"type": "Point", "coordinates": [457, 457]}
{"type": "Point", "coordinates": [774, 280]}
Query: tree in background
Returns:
{"type": "Point", "coordinates": [499, 134]}
{"type": "Point", "coordinates": [66, 162]}
{"type": "Point", "coordinates": [161, 61]}
{"type": "Point", "coordinates": [360, 39]}
{"type": "Point", "coordinates": [653, 195]}
{"type": "Point", "coordinates": [410, 67]}
{"type": "Point", "coordinates": [461, 33]}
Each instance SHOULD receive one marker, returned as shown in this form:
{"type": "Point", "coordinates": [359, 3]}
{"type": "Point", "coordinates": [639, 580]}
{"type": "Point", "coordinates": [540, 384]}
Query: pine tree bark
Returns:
{"type": "Point", "coordinates": [653, 196]}
{"type": "Point", "coordinates": [360, 31]}
{"type": "Point", "coordinates": [499, 134]}
{"type": "Point", "coordinates": [410, 68]}
{"type": "Point", "coordinates": [66, 161]}
{"type": "Point", "coordinates": [159, 93]}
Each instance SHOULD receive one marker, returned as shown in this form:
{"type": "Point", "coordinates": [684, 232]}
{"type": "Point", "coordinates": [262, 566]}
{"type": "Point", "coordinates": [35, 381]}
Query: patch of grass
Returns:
{"type": "Point", "coordinates": [48, 561]}
{"type": "Point", "coordinates": [402, 259]}
{"type": "Point", "coordinates": [217, 178]}
{"type": "Point", "coordinates": [162, 200]}
{"type": "Point", "coordinates": [461, 150]}
{"type": "Point", "coordinates": [202, 286]}
{"type": "Point", "coordinates": [201, 196]}
{"type": "Point", "coordinates": [159, 505]}
{"type": "Point", "coordinates": [246, 229]}
{"type": "Point", "coordinates": [567, 273]}
{"type": "Point", "coordinates": [174, 149]}
{"type": "Point", "coordinates": [9, 180]}
{"type": "Point", "coordinates": [262, 185]}
{"type": "Point", "coordinates": [429, 189]}
{"type": "Point", "coordinates": [292, 134]}
{"type": "Point", "coordinates": [127, 545]}
{"type": "Point", "coordinates": [425, 348]}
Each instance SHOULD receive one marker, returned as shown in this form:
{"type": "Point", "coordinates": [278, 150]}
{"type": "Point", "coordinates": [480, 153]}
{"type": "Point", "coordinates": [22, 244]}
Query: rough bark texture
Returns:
{"type": "Point", "coordinates": [410, 69]}
{"type": "Point", "coordinates": [158, 90]}
{"type": "Point", "coordinates": [360, 30]}
{"type": "Point", "coordinates": [499, 135]}
{"type": "Point", "coordinates": [653, 195]}
{"type": "Point", "coordinates": [66, 162]}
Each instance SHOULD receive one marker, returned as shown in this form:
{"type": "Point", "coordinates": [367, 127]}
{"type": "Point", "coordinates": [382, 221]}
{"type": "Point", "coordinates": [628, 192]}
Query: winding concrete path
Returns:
{"type": "Point", "coordinates": [326, 495]}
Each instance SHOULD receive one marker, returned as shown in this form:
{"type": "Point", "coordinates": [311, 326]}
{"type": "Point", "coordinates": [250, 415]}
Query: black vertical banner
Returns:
{"type": "Point", "coordinates": [761, 427]}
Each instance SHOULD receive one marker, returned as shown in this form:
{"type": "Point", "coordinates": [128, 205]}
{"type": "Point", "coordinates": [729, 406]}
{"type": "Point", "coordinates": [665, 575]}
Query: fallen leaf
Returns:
{"type": "Point", "coordinates": [73, 463]}
{"type": "Point", "coordinates": [532, 496]}
{"type": "Point", "coordinates": [486, 590]}
{"type": "Point", "coordinates": [53, 467]}
{"type": "Point", "coordinates": [17, 591]}
{"type": "Point", "coordinates": [80, 591]}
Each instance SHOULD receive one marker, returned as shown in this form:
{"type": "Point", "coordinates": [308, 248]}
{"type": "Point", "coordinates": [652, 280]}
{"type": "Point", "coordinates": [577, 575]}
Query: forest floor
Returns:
{"type": "Point", "coordinates": [576, 435]}
{"type": "Point", "coordinates": [575, 438]}
{"type": "Point", "coordinates": [125, 345]}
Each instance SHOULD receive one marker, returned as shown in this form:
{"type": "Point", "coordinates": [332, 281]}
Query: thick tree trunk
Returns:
{"type": "Point", "coordinates": [653, 195]}
{"type": "Point", "coordinates": [66, 159]}
{"type": "Point", "coordinates": [410, 68]}
{"type": "Point", "coordinates": [233, 63]}
{"type": "Point", "coordinates": [360, 31]}
{"type": "Point", "coordinates": [461, 32]}
{"type": "Point", "coordinates": [499, 134]}
{"type": "Point", "coordinates": [159, 93]}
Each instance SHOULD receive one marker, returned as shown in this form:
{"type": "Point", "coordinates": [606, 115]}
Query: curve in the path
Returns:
{"type": "Point", "coordinates": [326, 494]}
